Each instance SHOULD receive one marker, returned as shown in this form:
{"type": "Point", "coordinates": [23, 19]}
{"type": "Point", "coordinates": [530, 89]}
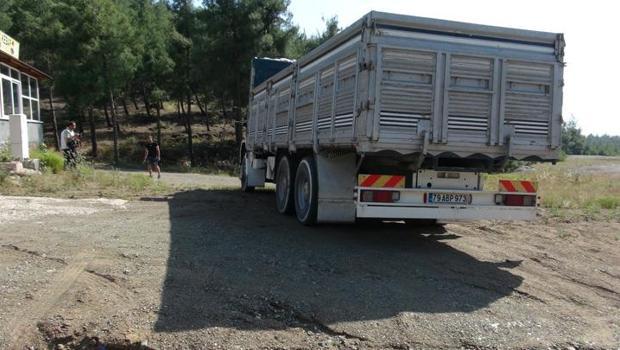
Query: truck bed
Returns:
{"type": "Point", "coordinates": [417, 88]}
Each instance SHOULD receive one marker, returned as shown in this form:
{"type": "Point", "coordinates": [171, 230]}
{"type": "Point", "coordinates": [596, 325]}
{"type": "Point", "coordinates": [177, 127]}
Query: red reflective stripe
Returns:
{"type": "Point", "coordinates": [528, 186]}
{"type": "Point", "coordinates": [508, 185]}
{"type": "Point", "coordinates": [370, 180]}
{"type": "Point", "coordinates": [393, 181]}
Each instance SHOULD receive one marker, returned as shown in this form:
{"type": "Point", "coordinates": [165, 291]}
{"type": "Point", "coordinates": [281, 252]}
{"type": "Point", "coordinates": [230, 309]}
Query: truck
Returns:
{"type": "Point", "coordinates": [399, 118]}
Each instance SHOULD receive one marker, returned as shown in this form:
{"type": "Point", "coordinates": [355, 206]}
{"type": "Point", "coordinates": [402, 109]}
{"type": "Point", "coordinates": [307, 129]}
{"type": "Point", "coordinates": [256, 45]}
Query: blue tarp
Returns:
{"type": "Point", "coordinates": [265, 68]}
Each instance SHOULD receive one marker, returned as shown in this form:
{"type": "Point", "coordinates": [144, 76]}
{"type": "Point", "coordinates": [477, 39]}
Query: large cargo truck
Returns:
{"type": "Point", "coordinates": [398, 117]}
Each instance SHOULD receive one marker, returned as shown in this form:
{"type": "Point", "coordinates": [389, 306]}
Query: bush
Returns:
{"type": "Point", "coordinates": [5, 153]}
{"type": "Point", "coordinates": [50, 160]}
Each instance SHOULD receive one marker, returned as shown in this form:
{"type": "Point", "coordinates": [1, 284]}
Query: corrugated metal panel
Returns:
{"type": "Point", "coordinates": [271, 118]}
{"type": "Point", "coordinates": [469, 97]}
{"type": "Point", "coordinates": [406, 89]}
{"type": "Point", "coordinates": [304, 105]}
{"type": "Point", "coordinates": [303, 117]}
{"type": "Point", "coordinates": [282, 112]}
{"type": "Point", "coordinates": [345, 92]}
{"type": "Point", "coordinates": [528, 97]}
{"type": "Point", "coordinates": [325, 100]}
{"type": "Point", "coordinates": [479, 91]}
{"type": "Point", "coordinates": [252, 124]}
{"type": "Point", "coordinates": [259, 110]}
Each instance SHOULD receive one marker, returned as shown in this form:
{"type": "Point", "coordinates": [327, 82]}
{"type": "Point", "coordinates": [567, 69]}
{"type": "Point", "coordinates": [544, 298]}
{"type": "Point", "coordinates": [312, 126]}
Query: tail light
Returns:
{"type": "Point", "coordinates": [380, 196]}
{"type": "Point", "coordinates": [515, 200]}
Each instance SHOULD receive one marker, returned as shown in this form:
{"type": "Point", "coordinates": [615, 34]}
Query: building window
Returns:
{"type": "Point", "coordinates": [19, 93]}
{"type": "Point", "coordinates": [30, 97]}
{"type": "Point", "coordinates": [7, 98]}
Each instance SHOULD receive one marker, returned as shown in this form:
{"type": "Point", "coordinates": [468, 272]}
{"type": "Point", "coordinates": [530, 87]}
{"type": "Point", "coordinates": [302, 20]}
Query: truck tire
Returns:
{"type": "Point", "coordinates": [244, 175]}
{"type": "Point", "coordinates": [285, 202]}
{"type": "Point", "coordinates": [306, 192]}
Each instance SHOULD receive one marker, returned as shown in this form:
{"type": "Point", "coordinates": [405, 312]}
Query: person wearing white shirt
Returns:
{"type": "Point", "coordinates": [68, 143]}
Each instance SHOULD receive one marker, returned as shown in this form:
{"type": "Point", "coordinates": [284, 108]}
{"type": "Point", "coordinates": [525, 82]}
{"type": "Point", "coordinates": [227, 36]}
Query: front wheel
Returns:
{"type": "Point", "coordinates": [284, 186]}
{"type": "Point", "coordinates": [244, 175]}
{"type": "Point", "coordinates": [306, 192]}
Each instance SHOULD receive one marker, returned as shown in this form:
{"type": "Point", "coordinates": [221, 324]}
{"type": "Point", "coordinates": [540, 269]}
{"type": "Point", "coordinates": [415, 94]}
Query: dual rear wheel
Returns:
{"type": "Point", "coordinates": [297, 189]}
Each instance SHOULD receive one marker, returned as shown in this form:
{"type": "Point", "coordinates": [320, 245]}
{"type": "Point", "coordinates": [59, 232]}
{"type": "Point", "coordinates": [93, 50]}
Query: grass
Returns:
{"type": "Point", "coordinates": [50, 160]}
{"type": "Point", "coordinates": [83, 182]}
{"type": "Point", "coordinates": [581, 186]}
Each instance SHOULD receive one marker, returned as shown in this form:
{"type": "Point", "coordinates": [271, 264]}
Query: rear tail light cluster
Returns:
{"type": "Point", "coordinates": [515, 200]}
{"type": "Point", "coordinates": [380, 196]}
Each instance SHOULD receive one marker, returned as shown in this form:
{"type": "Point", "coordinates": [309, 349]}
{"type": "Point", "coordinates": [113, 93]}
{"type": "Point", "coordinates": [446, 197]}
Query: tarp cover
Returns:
{"type": "Point", "coordinates": [265, 68]}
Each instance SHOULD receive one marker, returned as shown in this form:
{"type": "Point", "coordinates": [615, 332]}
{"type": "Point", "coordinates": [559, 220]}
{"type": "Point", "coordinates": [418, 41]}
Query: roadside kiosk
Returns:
{"type": "Point", "coordinates": [20, 113]}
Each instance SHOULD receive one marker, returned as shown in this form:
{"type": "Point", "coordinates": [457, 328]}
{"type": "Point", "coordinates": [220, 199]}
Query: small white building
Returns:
{"type": "Point", "coordinates": [20, 112]}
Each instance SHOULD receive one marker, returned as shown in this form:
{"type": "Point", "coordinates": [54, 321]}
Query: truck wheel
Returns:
{"type": "Point", "coordinates": [306, 192]}
{"type": "Point", "coordinates": [284, 187]}
{"type": "Point", "coordinates": [244, 175]}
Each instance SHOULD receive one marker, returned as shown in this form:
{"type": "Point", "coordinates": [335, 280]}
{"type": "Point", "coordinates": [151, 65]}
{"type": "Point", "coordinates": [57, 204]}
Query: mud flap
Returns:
{"type": "Point", "coordinates": [337, 174]}
{"type": "Point", "coordinates": [255, 170]}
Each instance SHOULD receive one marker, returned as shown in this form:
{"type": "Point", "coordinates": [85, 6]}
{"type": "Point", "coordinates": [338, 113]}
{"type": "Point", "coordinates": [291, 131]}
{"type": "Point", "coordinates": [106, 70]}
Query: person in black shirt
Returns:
{"type": "Point", "coordinates": [152, 157]}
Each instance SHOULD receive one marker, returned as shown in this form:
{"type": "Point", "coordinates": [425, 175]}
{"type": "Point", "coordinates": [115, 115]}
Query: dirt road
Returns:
{"type": "Point", "coordinates": [219, 269]}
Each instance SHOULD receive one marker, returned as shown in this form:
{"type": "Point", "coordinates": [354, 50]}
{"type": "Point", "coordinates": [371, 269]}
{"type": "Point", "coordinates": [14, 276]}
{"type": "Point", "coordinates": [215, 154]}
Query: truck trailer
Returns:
{"type": "Point", "coordinates": [399, 118]}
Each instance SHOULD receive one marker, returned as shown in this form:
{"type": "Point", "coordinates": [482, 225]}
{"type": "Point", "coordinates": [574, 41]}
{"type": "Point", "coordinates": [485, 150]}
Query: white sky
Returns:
{"type": "Point", "coordinates": [590, 27]}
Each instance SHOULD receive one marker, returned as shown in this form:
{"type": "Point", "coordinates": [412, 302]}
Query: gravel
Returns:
{"type": "Point", "coordinates": [220, 269]}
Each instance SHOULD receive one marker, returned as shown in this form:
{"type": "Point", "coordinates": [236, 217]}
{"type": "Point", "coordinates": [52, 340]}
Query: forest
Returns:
{"type": "Point", "coordinates": [575, 143]}
{"type": "Point", "coordinates": [126, 56]}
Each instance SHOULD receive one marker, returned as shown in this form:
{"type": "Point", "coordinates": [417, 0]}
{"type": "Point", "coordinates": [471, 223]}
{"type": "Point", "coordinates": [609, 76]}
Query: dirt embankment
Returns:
{"type": "Point", "coordinates": [218, 269]}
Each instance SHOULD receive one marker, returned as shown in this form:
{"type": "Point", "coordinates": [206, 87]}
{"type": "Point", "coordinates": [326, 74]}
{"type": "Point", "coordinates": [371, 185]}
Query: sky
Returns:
{"type": "Point", "coordinates": [591, 75]}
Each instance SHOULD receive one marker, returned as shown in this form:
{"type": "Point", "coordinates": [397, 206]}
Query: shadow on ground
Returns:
{"type": "Point", "coordinates": [235, 262]}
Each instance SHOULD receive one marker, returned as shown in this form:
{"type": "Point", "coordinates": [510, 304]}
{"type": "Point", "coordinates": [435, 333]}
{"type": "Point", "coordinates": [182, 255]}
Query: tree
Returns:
{"type": "Point", "coordinates": [573, 141]}
{"type": "Point", "coordinates": [5, 16]}
{"type": "Point", "coordinates": [185, 22]}
{"type": "Point", "coordinates": [155, 30]}
{"type": "Point", "coordinates": [98, 54]}
{"type": "Point", "coordinates": [301, 44]}
{"type": "Point", "coordinates": [104, 51]}
{"type": "Point", "coordinates": [240, 30]}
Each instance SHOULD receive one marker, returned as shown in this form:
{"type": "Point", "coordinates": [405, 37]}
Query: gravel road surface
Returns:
{"type": "Point", "coordinates": [220, 269]}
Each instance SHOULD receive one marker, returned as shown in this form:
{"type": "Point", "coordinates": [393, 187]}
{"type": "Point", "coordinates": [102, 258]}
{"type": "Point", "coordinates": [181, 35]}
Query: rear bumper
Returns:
{"type": "Point", "coordinates": [446, 213]}
{"type": "Point", "coordinates": [411, 206]}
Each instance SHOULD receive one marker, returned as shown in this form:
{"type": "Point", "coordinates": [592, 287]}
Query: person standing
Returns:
{"type": "Point", "coordinates": [68, 144]}
{"type": "Point", "coordinates": [152, 157]}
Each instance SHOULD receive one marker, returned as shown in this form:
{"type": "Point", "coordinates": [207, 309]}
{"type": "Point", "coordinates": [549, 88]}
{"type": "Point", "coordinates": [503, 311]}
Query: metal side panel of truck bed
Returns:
{"type": "Point", "coordinates": [415, 85]}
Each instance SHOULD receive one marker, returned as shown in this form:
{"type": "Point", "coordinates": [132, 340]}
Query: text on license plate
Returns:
{"type": "Point", "coordinates": [448, 198]}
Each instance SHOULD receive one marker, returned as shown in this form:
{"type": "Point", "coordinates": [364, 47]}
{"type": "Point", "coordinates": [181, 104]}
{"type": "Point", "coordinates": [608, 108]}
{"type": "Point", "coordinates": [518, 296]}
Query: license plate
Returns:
{"type": "Point", "coordinates": [448, 198]}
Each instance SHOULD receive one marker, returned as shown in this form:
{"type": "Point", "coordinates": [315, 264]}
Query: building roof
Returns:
{"type": "Point", "coordinates": [22, 66]}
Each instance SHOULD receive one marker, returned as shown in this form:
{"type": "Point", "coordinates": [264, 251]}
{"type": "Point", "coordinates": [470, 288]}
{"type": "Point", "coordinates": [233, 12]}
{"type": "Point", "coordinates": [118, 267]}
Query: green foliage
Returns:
{"type": "Point", "coordinates": [154, 33]}
{"type": "Point", "coordinates": [608, 202]}
{"type": "Point", "coordinates": [302, 44]}
{"type": "Point", "coordinates": [573, 187]}
{"type": "Point", "coordinates": [574, 142]}
{"type": "Point", "coordinates": [5, 154]}
{"type": "Point", "coordinates": [104, 51]}
{"type": "Point", "coordinates": [604, 145]}
{"type": "Point", "coordinates": [85, 182]}
{"type": "Point", "coordinates": [5, 15]}
{"type": "Point", "coordinates": [3, 176]}
{"type": "Point", "coordinates": [51, 161]}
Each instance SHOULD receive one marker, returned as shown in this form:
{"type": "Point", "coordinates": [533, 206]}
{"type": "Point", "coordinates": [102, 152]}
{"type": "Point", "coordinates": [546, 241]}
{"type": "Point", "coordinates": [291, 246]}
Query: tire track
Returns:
{"type": "Point", "coordinates": [24, 323]}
